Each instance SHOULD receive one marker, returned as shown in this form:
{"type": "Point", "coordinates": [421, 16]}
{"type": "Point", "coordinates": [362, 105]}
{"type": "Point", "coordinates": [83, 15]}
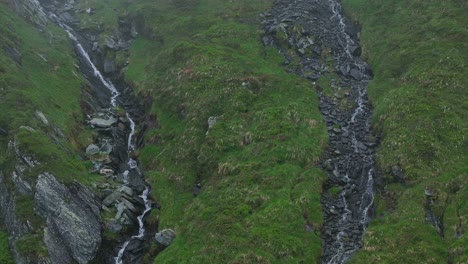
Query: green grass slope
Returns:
{"type": "Point", "coordinates": [260, 187]}
{"type": "Point", "coordinates": [418, 50]}
{"type": "Point", "coordinates": [44, 79]}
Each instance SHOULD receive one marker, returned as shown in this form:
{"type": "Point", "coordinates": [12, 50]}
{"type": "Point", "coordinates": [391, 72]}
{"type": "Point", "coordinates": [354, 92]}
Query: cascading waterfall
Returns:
{"type": "Point", "coordinates": [141, 230]}
{"type": "Point", "coordinates": [132, 164]}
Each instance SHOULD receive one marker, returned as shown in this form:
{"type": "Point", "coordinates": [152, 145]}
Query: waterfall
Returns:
{"type": "Point", "coordinates": [114, 94]}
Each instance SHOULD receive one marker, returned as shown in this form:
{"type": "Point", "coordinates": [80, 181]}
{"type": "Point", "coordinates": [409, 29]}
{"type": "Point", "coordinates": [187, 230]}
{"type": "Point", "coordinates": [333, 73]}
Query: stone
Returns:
{"type": "Point", "coordinates": [3, 132]}
{"type": "Point", "coordinates": [114, 226]}
{"type": "Point", "coordinates": [126, 190]}
{"type": "Point", "coordinates": [42, 117]}
{"type": "Point", "coordinates": [103, 123]}
{"type": "Point", "coordinates": [120, 210]}
{"type": "Point", "coordinates": [356, 74]}
{"type": "Point", "coordinates": [106, 171]}
{"type": "Point", "coordinates": [106, 148]}
{"type": "Point", "coordinates": [361, 146]}
{"type": "Point", "coordinates": [212, 121]}
{"type": "Point", "coordinates": [72, 225]}
{"type": "Point", "coordinates": [129, 205]}
{"type": "Point", "coordinates": [344, 70]}
{"type": "Point", "coordinates": [110, 199]}
{"type": "Point", "coordinates": [355, 50]}
{"type": "Point", "coordinates": [92, 149]}
{"type": "Point", "coordinates": [165, 237]}
{"type": "Point", "coordinates": [110, 43]}
{"type": "Point", "coordinates": [337, 130]}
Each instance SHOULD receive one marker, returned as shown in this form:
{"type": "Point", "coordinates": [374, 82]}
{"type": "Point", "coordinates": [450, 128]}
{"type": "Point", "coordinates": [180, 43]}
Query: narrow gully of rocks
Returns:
{"type": "Point", "coordinates": [319, 44]}
{"type": "Point", "coordinates": [127, 169]}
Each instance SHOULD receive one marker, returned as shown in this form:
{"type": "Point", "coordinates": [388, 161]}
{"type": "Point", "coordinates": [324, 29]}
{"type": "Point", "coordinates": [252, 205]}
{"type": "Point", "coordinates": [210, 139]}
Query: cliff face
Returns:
{"type": "Point", "coordinates": [73, 222]}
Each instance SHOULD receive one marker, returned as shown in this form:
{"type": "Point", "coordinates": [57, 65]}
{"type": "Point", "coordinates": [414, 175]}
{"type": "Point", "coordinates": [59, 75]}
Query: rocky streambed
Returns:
{"type": "Point", "coordinates": [320, 44]}
{"type": "Point", "coordinates": [115, 114]}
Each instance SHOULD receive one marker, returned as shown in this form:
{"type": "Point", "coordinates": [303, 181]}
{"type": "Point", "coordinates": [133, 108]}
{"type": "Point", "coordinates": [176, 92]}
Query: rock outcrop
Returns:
{"type": "Point", "coordinates": [73, 229]}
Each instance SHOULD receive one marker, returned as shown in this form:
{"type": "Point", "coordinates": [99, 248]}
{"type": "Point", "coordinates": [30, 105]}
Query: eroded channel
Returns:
{"type": "Point", "coordinates": [319, 43]}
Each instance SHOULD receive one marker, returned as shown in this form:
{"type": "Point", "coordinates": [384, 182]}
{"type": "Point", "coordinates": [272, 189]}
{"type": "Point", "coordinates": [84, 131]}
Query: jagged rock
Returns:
{"type": "Point", "coordinates": [120, 210]}
{"type": "Point", "coordinates": [21, 186]}
{"type": "Point", "coordinates": [104, 123]}
{"type": "Point", "coordinates": [135, 181]}
{"type": "Point", "coordinates": [129, 205]}
{"type": "Point", "coordinates": [110, 199]}
{"type": "Point", "coordinates": [92, 149]}
{"type": "Point", "coordinates": [110, 43]}
{"type": "Point", "coordinates": [42, 117]}
{"type": "Point", "coordinates": [72, 223]}
{"type": "Point", "coordinates": [126, 190]}
{"type": "Point", "coordinates": [165, 237]}
{"type": "Point", "coordinates": [57, 252]}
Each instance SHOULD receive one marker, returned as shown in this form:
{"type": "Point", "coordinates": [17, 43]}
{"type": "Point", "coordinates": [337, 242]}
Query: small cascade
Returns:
{"type": "Point", "coordinates": [141, 230]}
{"type": "Point", "coordinates": [350, 158]}
{"type": "Point", "coordinates": [113, 103]}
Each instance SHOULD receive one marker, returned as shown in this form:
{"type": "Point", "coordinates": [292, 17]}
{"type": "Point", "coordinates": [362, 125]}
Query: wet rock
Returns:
{"type": "Point", "coordinates": [71, 222]}
{"type": "Point", "coordinates": [165, 237]}
{"type": "Point", "coordinates": [355, 50]}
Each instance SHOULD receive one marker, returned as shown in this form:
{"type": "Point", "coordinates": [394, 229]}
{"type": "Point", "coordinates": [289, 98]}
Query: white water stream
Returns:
{"type": "Point", "coordinates": [130, 146]}
{"type": "Point", "coordinates": [343, 253]}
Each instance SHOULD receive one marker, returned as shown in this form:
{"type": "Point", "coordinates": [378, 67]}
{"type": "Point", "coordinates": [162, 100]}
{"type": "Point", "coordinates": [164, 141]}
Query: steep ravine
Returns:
{"type": "Point", "coordinates": [319, 44]}
{"type": "Point", "coordinates": [132, 197]}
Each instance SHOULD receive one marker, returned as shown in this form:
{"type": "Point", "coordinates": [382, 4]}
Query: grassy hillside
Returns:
{"type": "Point", "coordinates": [37, 73]}
{"type": "Point", "coordinates": [418, 50]}
{"type": "Point", "coordinates": [256, 165]}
